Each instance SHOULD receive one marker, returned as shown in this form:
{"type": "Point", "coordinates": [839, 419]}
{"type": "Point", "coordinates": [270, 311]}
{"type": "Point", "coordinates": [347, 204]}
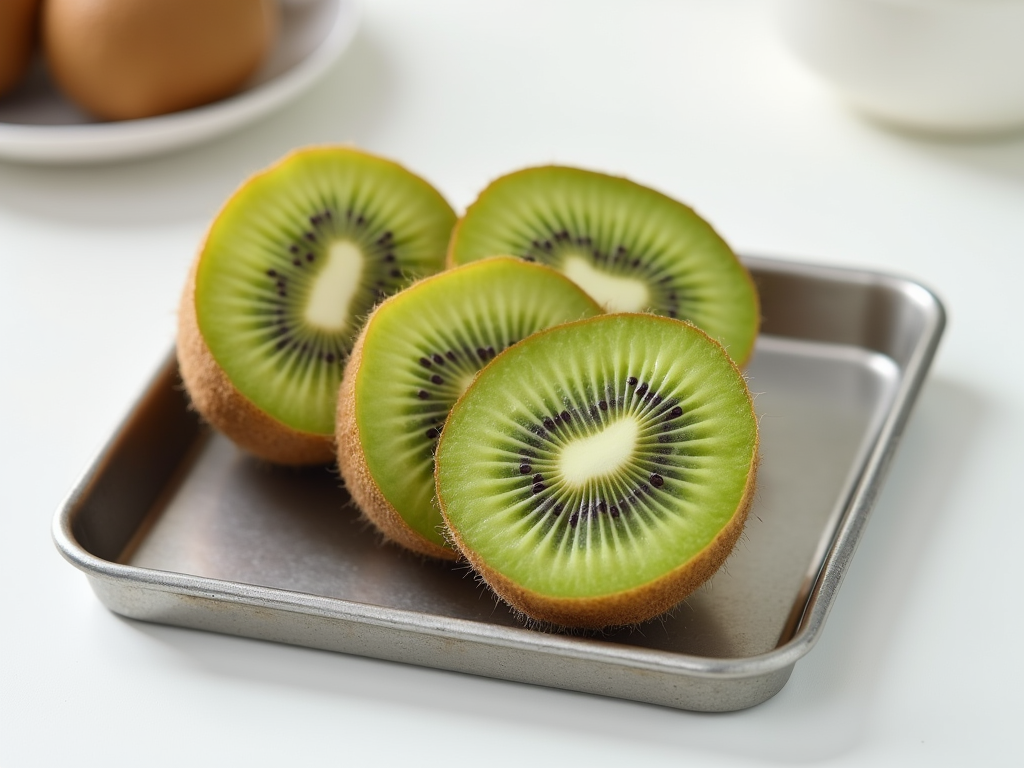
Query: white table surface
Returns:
{"type": "Point", "coordinates": [920, 661]}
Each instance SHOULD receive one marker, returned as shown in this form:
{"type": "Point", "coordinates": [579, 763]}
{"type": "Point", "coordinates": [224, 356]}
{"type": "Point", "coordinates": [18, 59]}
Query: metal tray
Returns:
{"type": "Point", "coordinates": [172, 524]}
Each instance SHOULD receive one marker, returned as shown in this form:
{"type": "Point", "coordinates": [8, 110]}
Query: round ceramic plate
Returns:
{"type": "Point", "coordinates": [37, 124]}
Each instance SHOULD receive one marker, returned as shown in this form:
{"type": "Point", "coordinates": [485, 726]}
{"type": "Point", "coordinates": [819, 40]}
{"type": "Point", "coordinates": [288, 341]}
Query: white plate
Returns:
{"type": "Point", "coordinates": [37, 124]}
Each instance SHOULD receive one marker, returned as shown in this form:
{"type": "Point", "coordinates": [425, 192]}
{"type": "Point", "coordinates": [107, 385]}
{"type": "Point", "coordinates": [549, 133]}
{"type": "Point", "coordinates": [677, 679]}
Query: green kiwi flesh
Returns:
{"type": "Point", "coordinates": [632, 248]}
{"type": "Point", "coordinates": [294, 262]}
{"type": "Point", "coordinates": [417, 353]}
{"type": "Point", "coordinates": [600, 471]}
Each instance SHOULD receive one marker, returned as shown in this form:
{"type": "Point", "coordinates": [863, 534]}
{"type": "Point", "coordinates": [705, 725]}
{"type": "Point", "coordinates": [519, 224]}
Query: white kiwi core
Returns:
{"type": "Point", "coordinates": [614, 292]}
{"type": "Point", "coordinates": [335, 287]}
{"type": "Point", "coordinates": [599, 454]}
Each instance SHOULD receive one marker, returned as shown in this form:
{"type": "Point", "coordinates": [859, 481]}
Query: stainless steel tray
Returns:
{"type": "Point", "coordinates": [172, 524]}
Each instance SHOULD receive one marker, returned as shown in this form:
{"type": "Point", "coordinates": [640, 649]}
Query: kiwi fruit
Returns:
{"type": "Point", "coordinates": [124, 59]}
{"type": "Point", "coordinates": [417, 353]}
{"type": "Point", "coordinates": [17, 40]}
{"type": "Point", "coordinates": [289, 269]}
{"type": "Point", "coordinates": [632, 248]}
{"type": "Point", "coordinates": [598, 472]}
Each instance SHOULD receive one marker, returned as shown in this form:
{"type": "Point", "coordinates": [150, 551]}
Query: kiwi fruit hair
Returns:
{"type": "Point", "coordinates": [289, 269]}
{"type": "Point", "coordinates": [125, 59]}
{"type": "Point", "coordinates": [598, 472]}
{"type": "Point", "coordinates": [415, 355]}
{"type": "Point", "coordinates": [632, 248]}
{"type": "Point", "coordinates": [17, 40]}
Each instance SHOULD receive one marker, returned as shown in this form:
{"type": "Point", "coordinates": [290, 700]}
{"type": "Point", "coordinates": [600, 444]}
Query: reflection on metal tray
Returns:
{"type": "Point", "coordinates": [172, 524]}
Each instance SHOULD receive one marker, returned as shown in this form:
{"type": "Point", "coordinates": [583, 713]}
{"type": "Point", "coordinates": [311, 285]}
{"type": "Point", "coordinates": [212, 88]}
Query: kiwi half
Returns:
{"type": "Point", "coordinates": [417, 353]}
{"type": "Point", "coordinates": [631, 248]}
{"type": "Point", "coordinates": [598, 472]}
{"type": "Point", "coordinates": [290, 267]}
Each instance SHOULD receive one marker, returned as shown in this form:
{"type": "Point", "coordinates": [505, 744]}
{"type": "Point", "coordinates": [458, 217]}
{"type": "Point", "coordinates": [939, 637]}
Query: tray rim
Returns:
{"type": "Point", "coordinates": [817, 605]}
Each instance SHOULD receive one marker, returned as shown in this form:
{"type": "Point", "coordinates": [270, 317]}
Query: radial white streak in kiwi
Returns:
{"type": "Point", "coordinates": [328, 306]}
{"type": "Point", "coordinates": [599, 454]}
{"type": "Point", "coordinates": [614, 292]}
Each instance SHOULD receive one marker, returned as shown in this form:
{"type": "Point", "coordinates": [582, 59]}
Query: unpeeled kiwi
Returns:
{"type": "Point", "coordinates": [17, 40]}
{"type": "Point", "coordinates": [125, 59]}
{"type": "Point", "coordinates": [598, 472]}
{"type": "Point", "coordinates": [287, 273]}
{"type": "Point", "coordinates": [632, 248]}
{"type": "Point", "coordinates": [416, 354]}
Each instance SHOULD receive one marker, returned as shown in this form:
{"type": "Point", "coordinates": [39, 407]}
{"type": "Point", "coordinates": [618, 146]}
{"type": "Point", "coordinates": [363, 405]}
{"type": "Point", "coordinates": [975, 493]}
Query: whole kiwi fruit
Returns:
{"type": "Point", "coordinates": [598, 472]}
{"type": "Point", "coordinates": [124, 59]}
{"type": "Point", "coordinates": [17, 40]}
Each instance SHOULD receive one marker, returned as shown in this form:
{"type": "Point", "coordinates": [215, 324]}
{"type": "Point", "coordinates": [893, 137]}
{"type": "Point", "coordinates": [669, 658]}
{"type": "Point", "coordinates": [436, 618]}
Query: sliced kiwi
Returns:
{"type": "Point", "coordinates": [417, 353]}
{"type": "Point", "coordinates": [290, 267]}
{"type": "Point", "coordinates": [633, 249]}
{"type": "Point", "coordinates": [600, 471]}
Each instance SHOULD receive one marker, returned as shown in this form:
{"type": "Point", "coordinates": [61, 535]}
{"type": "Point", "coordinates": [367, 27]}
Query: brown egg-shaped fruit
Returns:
{"type": "Point", "coordinates": [124, 59]}
{"type": "Point", "coordinates": [17, 39]}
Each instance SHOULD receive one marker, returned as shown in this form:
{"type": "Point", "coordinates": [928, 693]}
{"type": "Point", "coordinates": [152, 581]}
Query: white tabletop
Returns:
{"type": "Point", "coordinates": [920, 661]}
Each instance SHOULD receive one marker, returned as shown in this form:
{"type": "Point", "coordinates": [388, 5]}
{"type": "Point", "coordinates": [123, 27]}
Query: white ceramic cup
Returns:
{"type": "Point", "coordinates": [951, 66]}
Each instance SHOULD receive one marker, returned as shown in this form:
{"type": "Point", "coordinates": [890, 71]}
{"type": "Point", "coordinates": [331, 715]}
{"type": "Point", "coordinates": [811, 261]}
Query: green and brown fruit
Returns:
{"type": "Point", "coordinates": [597, 473]}
{"type": "Point", "coordinates": [415, 356]}
{"type": "Point", "coordinates": [288, 271]}
{"type": "Point", "coordinates": [632, 248]}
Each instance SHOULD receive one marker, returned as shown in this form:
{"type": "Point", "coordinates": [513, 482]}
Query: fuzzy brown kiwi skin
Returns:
{"type": "Point", "coordinates": [356, 473]}
{"type": "Point", "coordinates": [630, 606]}
{"type": "Point", "coordinates": [227, 410]}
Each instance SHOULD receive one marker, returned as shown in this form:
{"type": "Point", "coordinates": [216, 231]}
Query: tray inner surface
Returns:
{"type": "Point", "coordinates": [226, 516]}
